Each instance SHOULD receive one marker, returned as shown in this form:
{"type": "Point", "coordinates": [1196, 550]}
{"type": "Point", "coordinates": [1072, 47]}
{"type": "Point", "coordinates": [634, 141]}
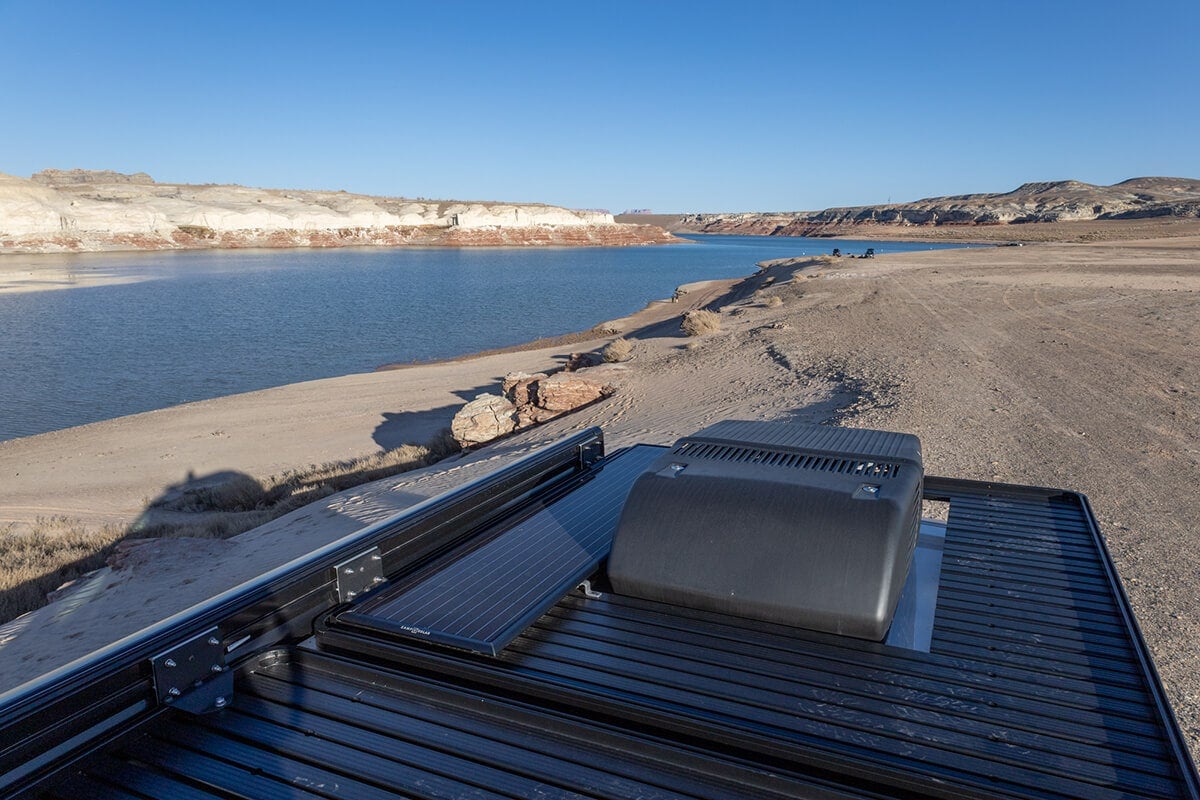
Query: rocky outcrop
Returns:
{"type": "Point", "coordinates": [567, 391]}
{"type": "Point", "coordinates": [528, 400]}
{"type": "Point", "coordinates": [69, 177]}
{"type": "Point", "coordinates": [81, 210]}
{"type": "Point", "coordinates": [485, 418]}
{"type": "Point", "coordinates": [1058, 201]}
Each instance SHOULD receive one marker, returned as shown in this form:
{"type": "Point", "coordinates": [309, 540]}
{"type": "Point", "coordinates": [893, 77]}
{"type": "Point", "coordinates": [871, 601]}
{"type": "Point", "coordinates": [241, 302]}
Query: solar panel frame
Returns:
{"type": "Point", "coordinates": [486, 595]}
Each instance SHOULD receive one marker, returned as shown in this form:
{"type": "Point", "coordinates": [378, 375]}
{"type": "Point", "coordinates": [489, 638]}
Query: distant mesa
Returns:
{"type": "Point", "coordinates": [70, 177]}
{"type": "Point", "coordinates": [1048, 201]}
{"type": "Point", "coordinates": [79, 210]}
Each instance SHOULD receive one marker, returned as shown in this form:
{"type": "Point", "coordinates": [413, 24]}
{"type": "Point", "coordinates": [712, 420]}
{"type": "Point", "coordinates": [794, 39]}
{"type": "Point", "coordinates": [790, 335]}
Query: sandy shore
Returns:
{"type": "Point", "coordinates": [1066, 365]}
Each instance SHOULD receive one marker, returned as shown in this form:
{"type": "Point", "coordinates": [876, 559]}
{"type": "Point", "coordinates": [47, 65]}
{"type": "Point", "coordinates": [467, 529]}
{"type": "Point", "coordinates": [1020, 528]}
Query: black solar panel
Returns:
{"type": "Point", "coordinates": [483, 600]}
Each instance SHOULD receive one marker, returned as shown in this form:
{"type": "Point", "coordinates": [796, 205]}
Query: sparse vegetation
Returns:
{"type": "Point", "coordinates": [618, 350]}
{"type": "Point", "coordinates": [243, 503]}
{"type": "Point", "coordinates": [700, 322]}
{"type": "Point", "coordinates": [37, 560]}
{"type": "Point", "coordinates": [198, 231]}
{"type": "Point", "coordinates": [773, 301]}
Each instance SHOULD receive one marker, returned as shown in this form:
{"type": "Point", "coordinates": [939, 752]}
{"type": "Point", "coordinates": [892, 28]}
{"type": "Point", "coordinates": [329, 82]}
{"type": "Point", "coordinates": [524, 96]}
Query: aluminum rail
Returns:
{"type": "Point", "coordinates": [48, 721]}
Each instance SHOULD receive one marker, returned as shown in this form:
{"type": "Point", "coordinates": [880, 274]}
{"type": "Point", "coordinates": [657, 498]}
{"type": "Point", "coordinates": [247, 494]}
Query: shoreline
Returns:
{"type": "Point", "coordinates": [1081, 231]}
{"type": "Point", "coordinates": [654, 312]}
{"type": "Point", "coordinates": [25, 278]}
{"type": "Point", "coordinates": [261, 415]}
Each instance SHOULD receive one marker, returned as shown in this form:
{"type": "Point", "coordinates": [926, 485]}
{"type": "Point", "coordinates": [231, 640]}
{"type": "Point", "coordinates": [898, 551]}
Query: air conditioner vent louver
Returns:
{"type": "Point", "coordinates": [788, 460]}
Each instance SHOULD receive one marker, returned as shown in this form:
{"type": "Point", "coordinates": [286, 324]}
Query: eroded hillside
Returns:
{"type": "Point", "coordinates": [81, 210]}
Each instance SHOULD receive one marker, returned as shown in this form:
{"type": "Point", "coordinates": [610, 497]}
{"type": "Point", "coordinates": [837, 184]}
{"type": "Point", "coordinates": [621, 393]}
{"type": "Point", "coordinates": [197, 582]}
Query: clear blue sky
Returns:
{"type": "Point", "coordinates": [696, 106]}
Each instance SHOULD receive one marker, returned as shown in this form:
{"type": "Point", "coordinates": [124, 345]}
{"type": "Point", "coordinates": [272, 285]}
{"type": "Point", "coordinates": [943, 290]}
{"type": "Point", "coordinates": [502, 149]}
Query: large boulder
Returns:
{"type": "Point", "coordinates": [566, 391]}
{"type": "Point", "coordinates": [486, 417]}
{"type": "Point", "coordinates": [516, 386]}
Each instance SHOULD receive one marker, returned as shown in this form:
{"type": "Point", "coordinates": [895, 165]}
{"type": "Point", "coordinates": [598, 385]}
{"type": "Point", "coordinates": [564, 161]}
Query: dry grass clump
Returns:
{"type": "Point", "coordinates": [773, 301]}
{"type": "Point", "coordinates": [242, 503]}
{"type": "Point", "coordinates": [56, 550]}
{"type": "Point", "coordinates": [38, 561]}
{"type": "Point", "coordinates": [700, 322]}
{"type": "Point", "coordinates": [300, 487]}
{"type": "Point", "coordinates": [618, 350]}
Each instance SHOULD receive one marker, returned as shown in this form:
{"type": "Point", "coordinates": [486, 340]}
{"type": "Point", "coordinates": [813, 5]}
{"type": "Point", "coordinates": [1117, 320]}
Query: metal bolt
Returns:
{"type": "Point", "coordinates": [870, 489]}
{"type": "Point", "coordinates": [214, 641]}
{"type": "Point", "coordinates": [377, 579]}
{"type": "Point", "coordinates": [348, 571]}
{"type": "Point", "coordinates": [174, 691]}
{"type": "Point", "coordinates": [220, 702]}
{"type": "Point", "coordinates": [217, 668]}
{"type": "Point", "coordinates": [376, 557]}
{"type": "Point", "coordinates": [170, 663]}
{"type": "Point", "coordinates": [351, 595]}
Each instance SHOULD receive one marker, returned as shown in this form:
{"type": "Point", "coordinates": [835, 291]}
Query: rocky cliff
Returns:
{"type": "Point", "coordinates": [1060, 201]}
{"type": "Point", "coordinates": [81, 210]}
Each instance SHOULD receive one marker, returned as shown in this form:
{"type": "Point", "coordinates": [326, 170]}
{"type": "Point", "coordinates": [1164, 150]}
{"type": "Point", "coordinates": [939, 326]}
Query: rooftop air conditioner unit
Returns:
{"type": "Point", "coordinates": [805, 525]}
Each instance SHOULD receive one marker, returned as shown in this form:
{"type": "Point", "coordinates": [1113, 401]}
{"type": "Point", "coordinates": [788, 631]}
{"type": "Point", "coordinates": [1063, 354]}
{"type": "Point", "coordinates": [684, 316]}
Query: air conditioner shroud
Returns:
{"type": "Point", "coordinates": [804, 525]}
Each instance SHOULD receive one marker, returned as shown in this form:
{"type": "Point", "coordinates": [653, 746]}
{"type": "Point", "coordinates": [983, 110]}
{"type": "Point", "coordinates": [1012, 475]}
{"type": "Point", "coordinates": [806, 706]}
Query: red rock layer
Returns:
{"type": "Point", "coordinates": [196, 238]}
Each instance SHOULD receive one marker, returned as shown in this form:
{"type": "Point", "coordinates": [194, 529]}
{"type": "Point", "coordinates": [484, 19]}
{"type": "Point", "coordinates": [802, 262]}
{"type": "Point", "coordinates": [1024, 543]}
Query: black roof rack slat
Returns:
{"type": "Point", "coordinates": [197, 765]}
{"type": "Point", "coordinates": [1069, 618]}
{"type": "Point", "coordinates": [1033, 595]}
{"type": "Point", "coordinates": [1060, 631]}
{"type": "Point", "coordinates": [878, 686]}
{"type": "Point", "coordinates": [109, 777]}
{"type": "Point", "coordinates": [965, 553]}
{"type": "Point", "coordinates": [959, 677]}
{"type": "Point", "coordinates": [1058, 644]}
{"type": "Point", "coordinates": [387, 718]}
{"type": "Point", "coordinates": [918, 760]}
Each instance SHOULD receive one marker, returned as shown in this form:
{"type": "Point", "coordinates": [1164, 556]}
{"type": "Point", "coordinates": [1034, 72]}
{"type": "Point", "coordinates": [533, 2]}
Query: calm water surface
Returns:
{"type": "Point", "coordinates": [197, 325]}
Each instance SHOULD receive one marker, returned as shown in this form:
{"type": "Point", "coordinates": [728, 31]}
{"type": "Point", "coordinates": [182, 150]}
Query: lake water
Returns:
{"type": "Point", "coordinates": [194, 325]}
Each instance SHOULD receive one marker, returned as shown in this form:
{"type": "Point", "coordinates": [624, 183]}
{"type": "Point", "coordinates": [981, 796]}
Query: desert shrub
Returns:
{"type": "Point", "coordinates": [55, 550]}
{"type": "Point", "coordinates": [774, 301]}
{"type": "Point", "coordinates": [296, 488]}
{"type": "Point", "coordinates": [199, 231]}
{"type": "Point", "coordinates": [618, 350]}
{"type": "Point", "coordinates": [39, 560]}
{"type": "Point", "coordinates": [698, 323]}
{"type": "Point", "coordinates": [238, 492]}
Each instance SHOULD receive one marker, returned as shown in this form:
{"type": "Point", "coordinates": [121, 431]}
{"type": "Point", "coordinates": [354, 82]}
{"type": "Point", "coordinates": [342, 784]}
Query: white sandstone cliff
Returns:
{"type": "Point", "coordinates": [81, 210]}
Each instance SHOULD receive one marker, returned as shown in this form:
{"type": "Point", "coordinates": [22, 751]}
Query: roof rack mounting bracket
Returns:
{"type": "Point", "coordinates": [590, 452]}
{"type": "Point", "coordinates": [585, 586]}
{"type": "Point", "coordinates": [192, 676]}
{"type": "Point", "coordinates": [359, 574]}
